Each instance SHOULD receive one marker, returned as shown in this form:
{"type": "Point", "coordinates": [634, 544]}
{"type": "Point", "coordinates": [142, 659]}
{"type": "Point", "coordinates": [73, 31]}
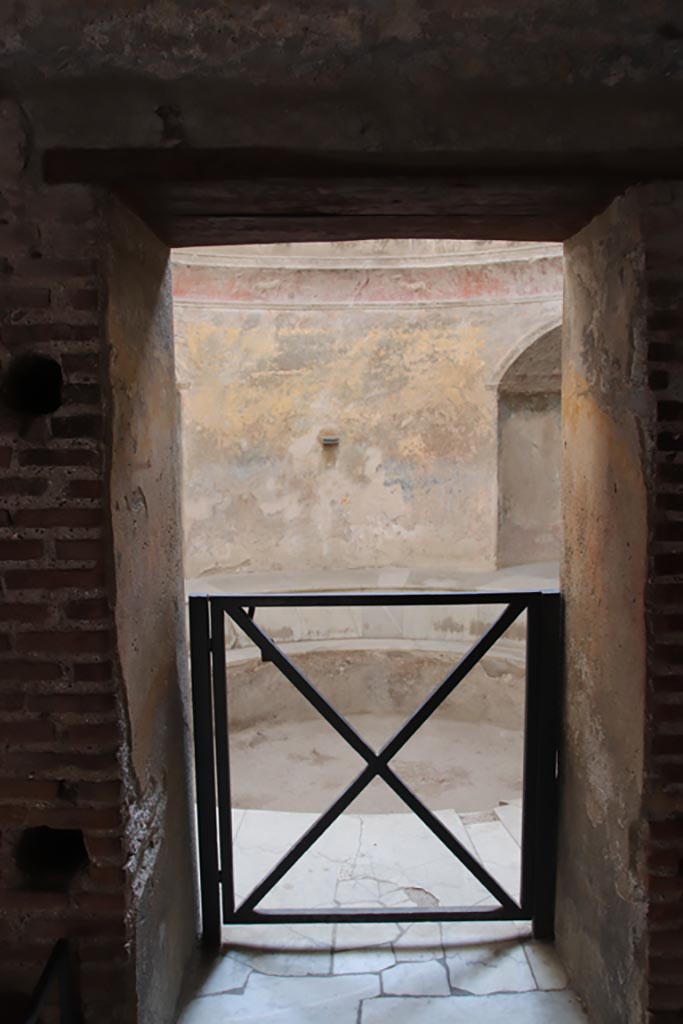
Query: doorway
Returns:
{"type": "Point", "coordinates": [276, 397]}
{"type": "Point", "coordinates": [581, 403]}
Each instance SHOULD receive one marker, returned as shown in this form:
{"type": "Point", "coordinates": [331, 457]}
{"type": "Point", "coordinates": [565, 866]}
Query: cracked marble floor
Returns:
{"type": "Point", "coordinates": [455, 973]}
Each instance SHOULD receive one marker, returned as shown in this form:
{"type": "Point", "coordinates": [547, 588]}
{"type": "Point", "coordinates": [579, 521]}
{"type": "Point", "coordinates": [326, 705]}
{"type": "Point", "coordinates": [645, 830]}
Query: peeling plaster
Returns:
{"type": "Point", "coordinates": [412, 480]}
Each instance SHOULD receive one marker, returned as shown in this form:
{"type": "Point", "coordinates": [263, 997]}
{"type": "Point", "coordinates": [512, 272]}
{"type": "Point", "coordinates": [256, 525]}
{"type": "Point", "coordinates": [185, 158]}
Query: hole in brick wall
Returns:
{"type": "Point", "coordinates": [49, 858]}
{"type": "Point", "coordinates": [33, 385]}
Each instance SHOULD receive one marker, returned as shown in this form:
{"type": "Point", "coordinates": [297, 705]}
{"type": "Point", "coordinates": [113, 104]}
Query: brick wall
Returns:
{"type": "Point", "coordinates": [60, 721]}
{"type": "Point", "coordinates": [663, 231]}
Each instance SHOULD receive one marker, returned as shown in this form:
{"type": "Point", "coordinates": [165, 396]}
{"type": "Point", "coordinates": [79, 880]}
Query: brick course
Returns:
{"type": "Point", "coordinates": [664, 737]}
{"type": "Point", "coordinates": [60, 732]}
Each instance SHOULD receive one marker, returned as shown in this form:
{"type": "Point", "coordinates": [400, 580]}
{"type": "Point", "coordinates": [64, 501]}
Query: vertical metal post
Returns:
{"type": "Point", "coordinates": [539, 829]}
{"type": "Point", "coordinates": [200, 667]}
{"type": "Point", "coordinates": [530, 788]}
{"type": "Point", "coordinates": [220, 704]}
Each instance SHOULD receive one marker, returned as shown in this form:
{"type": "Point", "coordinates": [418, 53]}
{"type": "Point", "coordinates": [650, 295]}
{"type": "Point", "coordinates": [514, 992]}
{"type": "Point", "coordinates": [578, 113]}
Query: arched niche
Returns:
{"type": "Point", "coordinates": [529, 454]}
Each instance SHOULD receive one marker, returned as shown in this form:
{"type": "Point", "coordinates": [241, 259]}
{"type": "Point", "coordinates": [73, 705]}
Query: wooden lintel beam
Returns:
{"type": "Point", "coordinates": [107, 166]}
{"type": "Point", "coordinates": [213, 197]}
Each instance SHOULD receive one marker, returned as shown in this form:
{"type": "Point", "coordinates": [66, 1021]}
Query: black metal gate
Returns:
{"type": "Point", "coordinates": [212, 762]}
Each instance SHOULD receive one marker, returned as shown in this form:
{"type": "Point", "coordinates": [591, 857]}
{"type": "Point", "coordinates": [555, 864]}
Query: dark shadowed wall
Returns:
{"type": "Point", "coordinates": [145, 510]}
{"type": "Point", "coordinates": [607, 422]}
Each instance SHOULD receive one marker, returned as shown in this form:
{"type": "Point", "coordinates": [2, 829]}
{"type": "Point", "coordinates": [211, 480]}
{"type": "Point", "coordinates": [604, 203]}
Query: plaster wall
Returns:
{"type": "Point", "coordinates": [145, 515]}
{"type": "Point", "coordinates": [393, 347]}
{"type": "Point", "coordinates": [497, 84]}
{"type": "Point", "coordinates": [529, 464]}
{"type": "Point", "coordinates": [607, 462]}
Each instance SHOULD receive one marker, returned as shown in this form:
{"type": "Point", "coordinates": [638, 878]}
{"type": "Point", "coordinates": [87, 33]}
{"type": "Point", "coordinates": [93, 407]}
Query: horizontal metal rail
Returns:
{"type": "Point", "coordinates": [374, 915]}
{"type": "Point", "coordinates": [213, 770]}
{"type": "Point", "coordinates": [324, 599]}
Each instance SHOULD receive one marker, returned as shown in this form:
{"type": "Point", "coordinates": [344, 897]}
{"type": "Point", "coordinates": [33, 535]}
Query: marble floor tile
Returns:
{"type": "Point", "coordinates": [546, 966]}
{"type": "Point", "coordinates": [482, 970]}
{"type": "Point", "coordinates": [357, 891]}
{"type": "Point", "coordinates": [284, 963]}
{"type": "Point", "coordinates": [425, 978]}
{"type": "Point", "coordinates": [237, 819]}
{"type": "Point", "coordinates": [363, 961]}
{"type": "Point", "coordinates": [419, 941]}
{"type": "Point", "coordinates": [353, 936]}
{"type": "Point", "coordinates": [335, 998]}
{"type": "Point", "coordinates": [277, 937]}
{"type": "Point", "coordinates": [266, 835]}
{"type": "Point", "coordinates": [511, 816]}
{"type": "Point", "coordinates": [225, 974]}
{"type": "Point", "coordinates": [526, 1008]}
{"type": "Point", "coordinates": [491, 972]}
{"type": "Point", "coordinates": [498, 852]}
{"type": "Point", "coordinates": [287, 950]}
{"type": "Point", "coordinates": [340, 842]}
{"type": "Point", "coordinates": [263, 839]}
{"type": "Point", "coordinates": [415, 866]}
{"type": "Point", "coordinates": [285, 1001]}
{"type": "Point", "coordinates": [356, 861]}
{"type": "Point", "coordinates": [472, 933]}
{"type": "Point", "coordinates": [454, 823]}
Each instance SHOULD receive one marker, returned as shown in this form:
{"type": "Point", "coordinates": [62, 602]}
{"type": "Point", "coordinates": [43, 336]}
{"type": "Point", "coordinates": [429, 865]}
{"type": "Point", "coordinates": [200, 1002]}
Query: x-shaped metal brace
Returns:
{"type": "Point", "coordinates": [377, 763]}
